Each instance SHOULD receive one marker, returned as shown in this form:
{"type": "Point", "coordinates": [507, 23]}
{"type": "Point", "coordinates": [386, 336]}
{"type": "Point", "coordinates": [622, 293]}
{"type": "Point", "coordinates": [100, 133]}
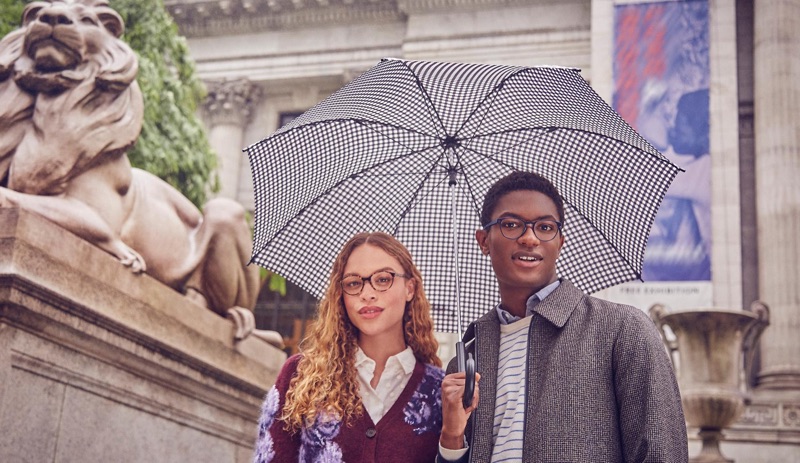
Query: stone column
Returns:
{"type": "Point", "coordinates": [777, 140]}
{"type": "Point", "coordinates": [228, 109]}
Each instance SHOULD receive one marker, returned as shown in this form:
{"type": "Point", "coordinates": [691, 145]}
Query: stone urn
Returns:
{"type": "Point", "coordinates": [712, 352]}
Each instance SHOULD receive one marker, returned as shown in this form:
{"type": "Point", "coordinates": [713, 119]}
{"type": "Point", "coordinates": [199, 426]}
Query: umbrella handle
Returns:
{"type": "Point", "coordinates": [467, 364]}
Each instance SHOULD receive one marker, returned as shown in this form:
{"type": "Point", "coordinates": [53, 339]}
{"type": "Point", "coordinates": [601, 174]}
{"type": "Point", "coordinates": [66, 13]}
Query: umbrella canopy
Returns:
{"type": "Point", "coordinates": [379, 154]}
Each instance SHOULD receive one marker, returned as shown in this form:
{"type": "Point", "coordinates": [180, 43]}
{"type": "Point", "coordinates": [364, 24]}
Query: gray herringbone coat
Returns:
{"type": "Point", "coordinates": [600, 386]}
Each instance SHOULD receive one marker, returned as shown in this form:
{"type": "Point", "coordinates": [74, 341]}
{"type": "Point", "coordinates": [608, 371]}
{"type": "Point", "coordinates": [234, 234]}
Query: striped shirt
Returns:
{"type": "Point", "coordinates": [509, 415]}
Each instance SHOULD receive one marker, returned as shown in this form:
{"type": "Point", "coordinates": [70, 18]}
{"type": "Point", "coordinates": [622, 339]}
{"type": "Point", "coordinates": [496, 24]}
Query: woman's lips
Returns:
{"type": "Point", "coordinates": [369, 312]}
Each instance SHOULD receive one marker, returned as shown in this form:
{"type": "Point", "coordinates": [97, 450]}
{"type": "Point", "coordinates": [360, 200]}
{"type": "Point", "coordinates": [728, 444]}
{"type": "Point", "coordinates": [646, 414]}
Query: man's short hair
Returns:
{"type": "Point", "coordinates": [520, 180]}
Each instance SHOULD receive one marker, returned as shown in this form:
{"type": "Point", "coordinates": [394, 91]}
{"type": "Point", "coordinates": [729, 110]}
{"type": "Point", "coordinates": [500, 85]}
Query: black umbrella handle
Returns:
{"type": "Point", "coordinates": [467, 364]}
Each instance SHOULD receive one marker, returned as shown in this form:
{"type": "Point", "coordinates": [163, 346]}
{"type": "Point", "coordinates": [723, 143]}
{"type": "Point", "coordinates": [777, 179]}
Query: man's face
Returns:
{"type": "Point", "coordinates": [526, 264]}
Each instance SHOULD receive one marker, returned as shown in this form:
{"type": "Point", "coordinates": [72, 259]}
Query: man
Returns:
{"type": "Point", "coordinates": [564, 377]}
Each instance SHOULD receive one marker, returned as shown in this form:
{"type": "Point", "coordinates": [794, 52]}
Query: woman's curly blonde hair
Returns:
{"type": "Point", "coordinates": [326, 378]}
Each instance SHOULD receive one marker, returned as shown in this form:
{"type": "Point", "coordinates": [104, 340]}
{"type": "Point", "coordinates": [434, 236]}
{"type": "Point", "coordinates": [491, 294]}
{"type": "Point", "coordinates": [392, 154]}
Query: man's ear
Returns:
{"type": "Point", "coordinates": [480, 237]}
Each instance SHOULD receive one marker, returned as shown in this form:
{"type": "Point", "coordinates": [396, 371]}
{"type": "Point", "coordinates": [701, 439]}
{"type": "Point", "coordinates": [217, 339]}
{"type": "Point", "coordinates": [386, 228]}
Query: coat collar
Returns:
{"type": "Point", "coordinates": [555, 308]}
{"type": "Point", "coordinates": [559, 305]}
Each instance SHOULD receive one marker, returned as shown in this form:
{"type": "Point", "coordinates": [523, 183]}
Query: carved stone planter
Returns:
{"type": "Point", "coordinates": [711, 353]}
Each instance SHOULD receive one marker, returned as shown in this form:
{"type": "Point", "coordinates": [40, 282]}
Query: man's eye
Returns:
{"type": "Point", "coordinates": [510, 224]}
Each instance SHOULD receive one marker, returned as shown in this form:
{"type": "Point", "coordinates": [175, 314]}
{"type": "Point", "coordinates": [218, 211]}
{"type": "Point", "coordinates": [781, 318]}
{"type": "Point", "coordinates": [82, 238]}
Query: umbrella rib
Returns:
{"type": "Point", "coordinates": [472, 195]}
{"type": "Point", "coordinates": [551, 129]}
{"type": "Point", "coordinates": [367, 124]}
{"type": "Point", "coordinates": [605, 238]}
{"type": "Point", "coordinates": [414, 197]}
{"type": "Point", "coordinates": [427, 97]}
{"type": "Point", "coordinates": [356, 120]}
{"type": "Point", "coordinates": [490, 95]}
{"type": "Point", "coordinates": [491, 156]}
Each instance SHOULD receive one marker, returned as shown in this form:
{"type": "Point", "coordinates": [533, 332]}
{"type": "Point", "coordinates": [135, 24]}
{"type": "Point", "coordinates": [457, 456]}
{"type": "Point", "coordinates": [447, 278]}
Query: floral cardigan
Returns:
{"type": "Point", "coordinates": [408, 433]}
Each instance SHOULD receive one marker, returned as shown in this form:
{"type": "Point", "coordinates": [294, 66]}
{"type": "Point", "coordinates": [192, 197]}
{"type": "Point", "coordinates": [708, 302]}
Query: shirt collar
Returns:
{"type": "Point", "coordinates": [404, 360]}
{"type": "Point", "coordinates": [506, 317]}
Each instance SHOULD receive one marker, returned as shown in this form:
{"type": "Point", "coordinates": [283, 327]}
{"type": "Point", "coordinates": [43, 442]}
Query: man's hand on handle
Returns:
{"type": "Point", "coordinates": [454, 415]}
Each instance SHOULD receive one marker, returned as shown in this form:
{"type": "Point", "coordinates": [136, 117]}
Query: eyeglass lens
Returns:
{"type": "Point", "coordinates": [545, 230]}
{"type": "Point", "coordinates": [380, 281]}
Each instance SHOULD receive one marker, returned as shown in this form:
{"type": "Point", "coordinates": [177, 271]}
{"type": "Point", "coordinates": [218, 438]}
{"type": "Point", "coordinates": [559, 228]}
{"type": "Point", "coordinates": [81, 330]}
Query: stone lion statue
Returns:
{"type": "Point", "coordinates": [70, 108]}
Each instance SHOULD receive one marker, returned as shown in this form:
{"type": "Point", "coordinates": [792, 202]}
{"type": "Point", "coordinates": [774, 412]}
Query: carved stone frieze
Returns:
{"type": "Point", "coordinates": [230, 101]}
{"type": "Point", "coordinates": [760, 415]}
{"type": "Point", "coordinates": [770, 416]}
{"type": "Point", "coordinates": [229, 17]}
{"type": "Point", "coordinates": [226, 17]}
{"type": "Point", "coordinates": [791, 416]}
{"type": "Point", "coordinates": [422, 6]}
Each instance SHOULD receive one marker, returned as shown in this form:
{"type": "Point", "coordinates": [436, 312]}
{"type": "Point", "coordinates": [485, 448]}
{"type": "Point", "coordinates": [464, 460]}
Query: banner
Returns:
{"type": "Point", "coordinates": [661, 80]}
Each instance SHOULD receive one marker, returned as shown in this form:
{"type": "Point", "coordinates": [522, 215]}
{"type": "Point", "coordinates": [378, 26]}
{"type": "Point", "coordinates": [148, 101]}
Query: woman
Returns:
{"type": "Point", "coordinates": [367, 383]}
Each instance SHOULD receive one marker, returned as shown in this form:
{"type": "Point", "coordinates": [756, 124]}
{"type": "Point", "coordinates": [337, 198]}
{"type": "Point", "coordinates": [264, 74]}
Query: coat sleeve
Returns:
{"type": "Point", "coordinates": [650, 413]}
{"type": "Point", "coordinates": [274, 443]}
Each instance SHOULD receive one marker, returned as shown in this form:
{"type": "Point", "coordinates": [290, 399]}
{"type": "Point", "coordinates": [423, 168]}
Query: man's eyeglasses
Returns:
{"type": "Point", "coordinates": [513, 228]}
{"type": "Point", "coordinates": [380, 281]}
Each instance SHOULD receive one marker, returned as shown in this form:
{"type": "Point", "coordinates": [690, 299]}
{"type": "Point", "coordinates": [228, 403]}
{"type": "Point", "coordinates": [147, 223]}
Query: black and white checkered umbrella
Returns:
{"type": "Point", "coordinates": [378, 155]}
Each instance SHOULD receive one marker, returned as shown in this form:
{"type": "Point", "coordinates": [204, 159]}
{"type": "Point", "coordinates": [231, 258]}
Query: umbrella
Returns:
{"type": "Point", "coordinates": [411, 147]}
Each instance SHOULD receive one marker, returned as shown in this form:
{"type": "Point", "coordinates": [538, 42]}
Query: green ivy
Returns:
{"type": "Point", "coordinates": [10, 15]}
{"type": "Point", "coordinates": [173, 143]}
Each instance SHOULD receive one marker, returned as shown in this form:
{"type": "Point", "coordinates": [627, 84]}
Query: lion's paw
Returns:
{"type": "Point", "coordinates": [130, 258]}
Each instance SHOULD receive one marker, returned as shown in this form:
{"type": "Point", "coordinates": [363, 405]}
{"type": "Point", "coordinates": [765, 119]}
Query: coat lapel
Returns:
{"type": "Point", "coordinates": [555, 309]}
{"type": "Point", "coordinates": [486, 348]}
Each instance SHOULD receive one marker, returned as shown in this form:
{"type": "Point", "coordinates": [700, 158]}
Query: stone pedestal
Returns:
{"type": "Point", "coordinates": [99, 364]}
{"type": "Point", "coordinates": [711, 346]}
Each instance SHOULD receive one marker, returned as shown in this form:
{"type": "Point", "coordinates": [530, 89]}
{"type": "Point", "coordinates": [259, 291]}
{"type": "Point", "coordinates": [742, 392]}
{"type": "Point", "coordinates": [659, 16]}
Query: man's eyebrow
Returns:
{"type": "Point", "coordinates": [517, 216]}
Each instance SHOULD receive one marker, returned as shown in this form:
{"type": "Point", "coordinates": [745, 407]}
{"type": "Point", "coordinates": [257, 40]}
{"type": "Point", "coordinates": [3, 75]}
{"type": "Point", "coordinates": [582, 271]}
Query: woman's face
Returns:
{"type": "Point", "coordinates": [378, 315]}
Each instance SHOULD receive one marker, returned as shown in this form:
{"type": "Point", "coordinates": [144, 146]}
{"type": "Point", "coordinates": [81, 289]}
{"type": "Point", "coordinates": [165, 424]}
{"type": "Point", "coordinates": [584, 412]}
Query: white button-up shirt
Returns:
{"type": "Point", "coordinates": [393, 380]}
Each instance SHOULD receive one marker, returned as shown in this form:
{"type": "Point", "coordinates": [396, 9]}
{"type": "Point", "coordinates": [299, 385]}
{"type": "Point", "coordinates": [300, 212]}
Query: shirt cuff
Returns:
{"type": "Point", "coordinates": [452, 455]}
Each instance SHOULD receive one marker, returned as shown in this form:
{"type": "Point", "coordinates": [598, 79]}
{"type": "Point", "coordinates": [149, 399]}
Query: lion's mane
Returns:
{"type": "Point", "coordinates": [67, 92]}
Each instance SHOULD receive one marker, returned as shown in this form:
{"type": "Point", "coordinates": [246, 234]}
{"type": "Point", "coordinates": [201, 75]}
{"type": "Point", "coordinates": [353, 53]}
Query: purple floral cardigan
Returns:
{"type": "Point", "coordinates": [408, 433]}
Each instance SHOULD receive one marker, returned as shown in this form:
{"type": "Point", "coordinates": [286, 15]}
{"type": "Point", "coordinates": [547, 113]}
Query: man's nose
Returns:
{"type": "Point", "coordinates": [528, 236]}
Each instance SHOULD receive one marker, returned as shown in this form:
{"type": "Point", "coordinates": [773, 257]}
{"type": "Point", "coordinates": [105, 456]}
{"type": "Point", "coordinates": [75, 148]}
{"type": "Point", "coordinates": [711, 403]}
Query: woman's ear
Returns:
{"type": "Point", "coordinates": [411, 287]}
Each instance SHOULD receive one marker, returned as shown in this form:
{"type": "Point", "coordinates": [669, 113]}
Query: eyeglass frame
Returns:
{"type": "Point", "coordinates": [526, 223]}
{"type": "Point", "coordinates": [369, 279]}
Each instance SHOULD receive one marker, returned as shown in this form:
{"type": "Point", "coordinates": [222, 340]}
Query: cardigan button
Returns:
{"type": "Point", "coordinates": [371, 432]}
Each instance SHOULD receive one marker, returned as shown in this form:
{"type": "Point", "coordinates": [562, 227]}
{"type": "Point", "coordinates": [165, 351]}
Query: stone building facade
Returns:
{"type": "Point", "coordinates": [266, 61]}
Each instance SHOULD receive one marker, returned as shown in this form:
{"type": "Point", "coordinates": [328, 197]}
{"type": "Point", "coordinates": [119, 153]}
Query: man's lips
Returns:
{"type": "Point", "coordinates": [527, 257]}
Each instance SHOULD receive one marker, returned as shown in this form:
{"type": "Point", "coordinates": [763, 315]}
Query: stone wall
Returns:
{"type": "Point", "coordinates": [100, 364]}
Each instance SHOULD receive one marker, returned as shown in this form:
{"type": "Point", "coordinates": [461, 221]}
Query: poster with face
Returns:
{"type": "Point", "coordinates": [661, 74]}
{"type": "Point", "coordinates": [661, 82]}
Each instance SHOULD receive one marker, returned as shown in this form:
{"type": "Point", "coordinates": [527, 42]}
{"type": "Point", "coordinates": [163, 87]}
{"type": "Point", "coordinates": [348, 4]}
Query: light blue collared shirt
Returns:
{"type": "Point", "coordinates": [506, 317]}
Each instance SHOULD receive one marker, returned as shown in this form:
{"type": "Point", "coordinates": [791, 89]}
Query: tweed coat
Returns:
{"type": "Point", "coordinates": [599, 385]}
